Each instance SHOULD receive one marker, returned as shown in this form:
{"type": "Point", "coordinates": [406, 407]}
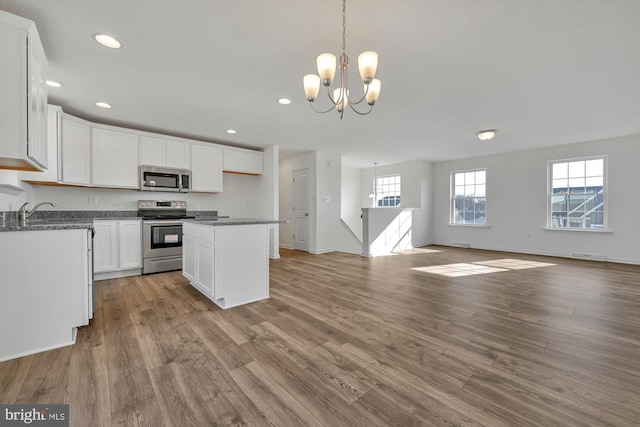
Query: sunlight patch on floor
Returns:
{"type": "Point", "coordinates": [458, 270]}
{"type": "Point", "coordinates": [481, 267]}
{"type": "Point", "coordinates": [420, 251]}
{"type": "Point", "coordinates": [514, 264]}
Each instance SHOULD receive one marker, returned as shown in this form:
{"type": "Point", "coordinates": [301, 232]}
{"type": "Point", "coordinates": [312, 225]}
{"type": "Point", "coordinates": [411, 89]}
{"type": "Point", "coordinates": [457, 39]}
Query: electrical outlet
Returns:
{"type": "Point", "coordinates": [205, 204]}
{"type": "Point", "coordinates": [93, 201]}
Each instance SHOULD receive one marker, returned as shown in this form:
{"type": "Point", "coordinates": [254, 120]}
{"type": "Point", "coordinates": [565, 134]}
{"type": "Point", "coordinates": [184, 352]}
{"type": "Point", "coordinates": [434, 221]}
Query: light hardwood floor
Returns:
{"type": "Point", "coordinates": [349, 341]}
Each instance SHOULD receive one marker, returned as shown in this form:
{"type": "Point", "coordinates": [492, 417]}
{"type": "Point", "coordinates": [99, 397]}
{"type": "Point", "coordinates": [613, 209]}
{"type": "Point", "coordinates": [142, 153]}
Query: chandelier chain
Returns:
{"type": "Point", "coordinates": [344, 26]}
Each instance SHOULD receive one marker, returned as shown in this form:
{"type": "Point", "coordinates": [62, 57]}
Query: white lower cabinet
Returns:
{"type": "Point", "coordinates": [117, 248]}
{"type": "Point", "coordinates": [189, 257]}
{"type": "Point", "coordinates": [204, 266]}
{"type": "Point", "coordinates": [45, 290]}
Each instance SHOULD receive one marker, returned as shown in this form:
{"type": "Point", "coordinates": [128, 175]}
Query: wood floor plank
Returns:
{"type": "Point", "coordinates": [46, 379]}
{"type": "Point", "coordinates": [13, 374]}
{"type": "Point", "coordinates": [273, 400]}
{"type": "Point", "coordinates": [91, 394]}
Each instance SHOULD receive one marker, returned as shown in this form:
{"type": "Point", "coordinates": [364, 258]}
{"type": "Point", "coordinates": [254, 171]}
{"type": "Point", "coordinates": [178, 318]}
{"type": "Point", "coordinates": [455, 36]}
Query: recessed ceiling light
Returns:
{"type": "Point", "coordinates": [231, 131]}
{"type": "Point", "coordinates": [108, 41]}
{"type": "Point", "coordinates": [487, 134]}
{"type": "Point", "coordinates": [103, 105]}
{"type": "Point", "coordinates": [284, 101]}
{"type": "Point", "coordinates": [53, 84]}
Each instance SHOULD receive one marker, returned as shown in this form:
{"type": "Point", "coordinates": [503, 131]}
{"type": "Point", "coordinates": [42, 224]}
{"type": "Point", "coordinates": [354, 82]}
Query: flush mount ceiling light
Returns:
{"type": "Point", "coordinates": [284, 101]}
{"type": "Point", "coordinates": [53, 84]}
{"type": "Point", "coordinates": [485, 135]}
{"type": "Point", "coordinates": [367, 64]}
{"type": "Point", "coordinates": [231, 131]}
{"type": "Point", "coordinates": [108, 41]}
{"type": "Point", "coordinates": [103, 105]}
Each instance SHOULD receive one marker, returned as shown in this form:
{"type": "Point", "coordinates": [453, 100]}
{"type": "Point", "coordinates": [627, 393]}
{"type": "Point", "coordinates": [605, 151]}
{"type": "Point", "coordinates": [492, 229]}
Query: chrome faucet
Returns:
{"type": "Point", "coordinates": [23, 213]}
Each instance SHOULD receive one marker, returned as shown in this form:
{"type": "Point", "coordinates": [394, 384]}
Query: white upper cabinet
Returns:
{"type": "Point", "coordinates": [164, 152]}
{"type": "Point", "coordinates": [178, 154]}
{"type": "Point", "coordinates": [54, 130]}
{"type": "Point", "coordinates": [114, 159]}
{"type": "Point", "coordinates": [243, 161]}
{"type": "Point", "coordinates": [75, 151]}
{"type": "Point", "coordinates": [206, 169]}
{"type": "Point", "coordinates": [23, 100]}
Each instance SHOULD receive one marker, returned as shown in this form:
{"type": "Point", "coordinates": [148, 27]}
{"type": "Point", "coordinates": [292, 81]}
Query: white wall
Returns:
{"type": "Point", "coordinates": [350, 200]}
{"type": "Point", "coordinates": [517, 202]}
{"type": "Point", "coordinates": [267, 197]}
{"type": "Point", "coordinates": [328, 182]}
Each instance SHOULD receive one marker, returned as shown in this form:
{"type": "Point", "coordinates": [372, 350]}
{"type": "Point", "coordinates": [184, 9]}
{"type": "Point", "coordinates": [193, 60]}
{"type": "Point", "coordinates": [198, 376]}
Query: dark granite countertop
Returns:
{"type": "Point", "coordinates": [47, 225]}
{"type": "Point", "coordinates": [234, 221]}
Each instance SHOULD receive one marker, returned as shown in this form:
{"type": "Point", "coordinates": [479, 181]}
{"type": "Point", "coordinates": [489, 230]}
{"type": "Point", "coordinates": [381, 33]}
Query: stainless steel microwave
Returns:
{"type": "Point", "coordinates": [155, 178]}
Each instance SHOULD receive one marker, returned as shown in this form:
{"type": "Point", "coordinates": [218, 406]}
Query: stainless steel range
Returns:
{"type": "Point", "coordinates": [162, 234]}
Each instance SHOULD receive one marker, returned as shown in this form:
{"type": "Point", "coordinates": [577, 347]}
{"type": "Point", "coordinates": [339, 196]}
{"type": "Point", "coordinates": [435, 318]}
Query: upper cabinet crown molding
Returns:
{"type": "Point", "coordinates": [23, 113]}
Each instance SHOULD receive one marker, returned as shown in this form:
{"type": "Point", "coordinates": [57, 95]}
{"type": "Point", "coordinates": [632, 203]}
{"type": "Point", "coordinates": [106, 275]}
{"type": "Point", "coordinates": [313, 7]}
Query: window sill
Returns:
{"type": "Point", "coordinates": [579, 230]}
{"type": "Point", "coordinates": [471, 225]}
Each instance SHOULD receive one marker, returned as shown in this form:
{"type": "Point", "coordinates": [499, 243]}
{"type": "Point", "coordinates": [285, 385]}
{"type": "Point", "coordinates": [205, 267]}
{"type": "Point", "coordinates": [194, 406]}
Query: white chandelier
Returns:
{"type": "Point", "coordinates": [367, 64]}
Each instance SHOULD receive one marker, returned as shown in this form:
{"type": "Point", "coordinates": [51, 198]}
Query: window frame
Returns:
{"type": "Point", "coordinates": [605, 194]}
{"type": "Point", "coordinates": [452, 198]}
{"type": "Point", "coordinates": [376, 192]}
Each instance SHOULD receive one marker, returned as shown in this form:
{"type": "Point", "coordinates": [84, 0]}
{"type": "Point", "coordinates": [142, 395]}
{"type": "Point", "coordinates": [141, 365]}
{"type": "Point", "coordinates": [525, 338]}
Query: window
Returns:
{"type": "Point", "coordinates": [577, 193]}
{"type": "Point", "coordinates": [468, 197]}
{"type": "Point", "coordinates": [387, 191]}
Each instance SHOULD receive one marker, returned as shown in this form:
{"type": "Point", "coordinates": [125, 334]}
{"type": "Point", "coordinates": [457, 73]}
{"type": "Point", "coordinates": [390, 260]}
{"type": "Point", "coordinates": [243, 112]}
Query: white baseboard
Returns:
{"type": "Point", "coordinates": [117, 274]}
{"type": "Point", "coordinates": [322, 251]}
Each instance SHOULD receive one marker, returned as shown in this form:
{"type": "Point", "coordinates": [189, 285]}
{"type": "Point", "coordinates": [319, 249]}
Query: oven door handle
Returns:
{"type": "Point", "coordinates": [167, 223]}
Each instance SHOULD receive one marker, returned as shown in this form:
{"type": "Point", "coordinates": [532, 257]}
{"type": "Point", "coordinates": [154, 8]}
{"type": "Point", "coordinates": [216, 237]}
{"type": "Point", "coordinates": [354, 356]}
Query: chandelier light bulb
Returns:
{"type": "Point", "coordinates": [326, 67]}
{"type": "Point", "coordinates": [368, 64]}
{"type": "Point", "coordinates": [341, 98]}
{"type": "Point", "coordinates": [311, 86]}
{"type": "Point", "coordinates": [373, 91]}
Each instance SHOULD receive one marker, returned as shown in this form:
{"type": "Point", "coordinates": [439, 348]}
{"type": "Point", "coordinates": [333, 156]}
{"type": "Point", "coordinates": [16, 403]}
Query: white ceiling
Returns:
{"type": "Point", "coordinates": [542, 72]}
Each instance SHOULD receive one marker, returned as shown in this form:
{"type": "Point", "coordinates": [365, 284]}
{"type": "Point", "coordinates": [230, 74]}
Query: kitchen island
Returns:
{"type": "Point", "coordinates": [228, 259]}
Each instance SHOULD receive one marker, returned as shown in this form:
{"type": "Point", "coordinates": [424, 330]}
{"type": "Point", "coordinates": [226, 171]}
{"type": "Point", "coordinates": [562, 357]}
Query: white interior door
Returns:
{"type": "Point", "coordinates": [301, 210]}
